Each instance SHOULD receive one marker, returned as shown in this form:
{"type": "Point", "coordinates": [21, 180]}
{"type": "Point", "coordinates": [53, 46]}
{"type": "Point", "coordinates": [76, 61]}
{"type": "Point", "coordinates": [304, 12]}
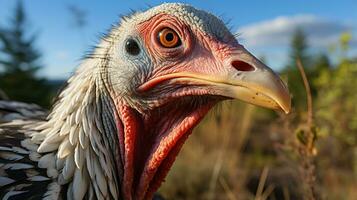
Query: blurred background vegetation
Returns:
{"type": "Point", "coordinates": [239, 151]}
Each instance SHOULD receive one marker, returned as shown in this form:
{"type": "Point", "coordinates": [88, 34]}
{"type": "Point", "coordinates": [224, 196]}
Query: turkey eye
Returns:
{"type": "Point", "coordinates": [168, 38]}
{"type": "Point", "coordinates": [132, 47]}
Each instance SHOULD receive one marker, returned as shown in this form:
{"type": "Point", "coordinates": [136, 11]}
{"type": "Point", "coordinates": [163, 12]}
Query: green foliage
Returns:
{"type": "Point", "coordinates": [258, 139]}
{"type": "Point", "coordinates": [239, 139]}
{"type": "Point", "coordinates": [20, 86]}
{"type": "Point", "coordinates": [298, 50]}
{"type": "Point", "coordinates": [301, 135]}
{"type": "Point", "coordinates": [313, 67]}
{"type": "Point", "coordinates": [337, 101]}
{"type": "Point", "coordinates": [337, 111]}
{"type": "Point", "coordinates": [341, 47]}
{"type": "Point", "coordinates": [345, 40]}
{"type": "Point", "coordinates": [19, 62]}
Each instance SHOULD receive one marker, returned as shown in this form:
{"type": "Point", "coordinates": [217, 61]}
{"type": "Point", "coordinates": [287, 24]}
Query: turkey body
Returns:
{"type": "Point", "coordinates": [19, 171]}
{"type": "Point", "coordinates": [117, 127]}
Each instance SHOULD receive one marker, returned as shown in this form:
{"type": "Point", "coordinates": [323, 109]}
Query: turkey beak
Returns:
{"type": "Point", "coordinates": [239, 76]}
{"type": "Point", "coordinates": [252, 81]}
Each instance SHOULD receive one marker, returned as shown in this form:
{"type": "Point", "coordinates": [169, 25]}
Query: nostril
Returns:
{"type": "Point", "coordinates": [242, 66]}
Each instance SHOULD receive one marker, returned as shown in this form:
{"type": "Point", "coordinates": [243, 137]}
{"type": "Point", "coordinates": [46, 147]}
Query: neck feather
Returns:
{"type": "Point", "coordinates": [80, 138]}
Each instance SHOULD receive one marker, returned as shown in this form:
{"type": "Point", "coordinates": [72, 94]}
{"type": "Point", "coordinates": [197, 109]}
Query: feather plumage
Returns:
{"type": "Point", "coordinates": [117, 126]}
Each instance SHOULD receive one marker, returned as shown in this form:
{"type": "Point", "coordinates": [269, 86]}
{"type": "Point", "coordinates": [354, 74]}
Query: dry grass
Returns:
{"type": "Point", "coordinates": [243, 152]}
{"type": "Point", "coordinates": [306, 147]}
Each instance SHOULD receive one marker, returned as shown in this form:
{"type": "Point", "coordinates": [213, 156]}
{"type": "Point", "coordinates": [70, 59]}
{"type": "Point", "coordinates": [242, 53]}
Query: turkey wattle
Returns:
{"type": "Point", "coordinates": [117, 127]}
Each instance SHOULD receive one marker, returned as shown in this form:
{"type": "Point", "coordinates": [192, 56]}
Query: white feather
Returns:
{"type": "Point", "coordinates": [79, 157]}
{"type": "Point", "coordinates": [85, 125]}
{"type": "Point", "coordinates": [60, 163]}
{"type": "Point", "coordinates": [47, 147]}
{"type": "Point", "coordinates": [28, 144]}
{"type": "Point", "coordinates": [65, 128]}
{"type": "Point", "coordinates": [74, 138]}
{"type": "Point", "coordinates": [72, 119]}
{"type": "Point", "coordinates": [80, 184]}
{"type": "Point", "coordinates": [83, 140]}
{"type": "Point", "coordinates": [100, 178]}
{"type": "Point", "coordinates": [65, 148]}
{"type": "Point", "coordinates": [78, 116]}
{"type": "Point", "coordinates": [90, 164]}
{"type": "Point", "coordinates": [47, 161]}
{"type": "Point", "coordinates": [73, 135]}
{"type": "Point", "coordinates": [69, 168]}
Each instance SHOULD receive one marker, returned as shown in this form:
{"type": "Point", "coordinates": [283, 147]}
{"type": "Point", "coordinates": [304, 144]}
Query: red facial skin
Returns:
{"type": "Point", "coordinates": [153, 138]}
{"type": "Point", "coordinates": [199, 52]}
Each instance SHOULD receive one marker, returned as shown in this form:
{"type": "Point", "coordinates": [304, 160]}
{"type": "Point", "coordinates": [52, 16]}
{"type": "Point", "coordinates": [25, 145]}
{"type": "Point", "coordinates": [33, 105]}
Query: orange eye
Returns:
{"type": "Point", "coordinates": [168, 38]}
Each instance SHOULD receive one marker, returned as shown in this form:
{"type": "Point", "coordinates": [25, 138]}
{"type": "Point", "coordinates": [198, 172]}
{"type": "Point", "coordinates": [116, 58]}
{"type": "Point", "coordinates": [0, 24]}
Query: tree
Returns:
{"type": "Point", "coordinates": [338, 96]}
{"type": "Point", "coordinates": [337, 112]}
{"type": "Point", "coordinates": [298, 50]}
{"type": "Point", "coordinates": [19, 62]}
{"type": "Point", "coordinates": [314, 66]}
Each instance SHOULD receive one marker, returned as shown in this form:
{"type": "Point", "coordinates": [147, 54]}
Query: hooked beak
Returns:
{"type": "Point", "coordinates": [242, 77]}
{"type": "Point", "coordinates": [253, 82]}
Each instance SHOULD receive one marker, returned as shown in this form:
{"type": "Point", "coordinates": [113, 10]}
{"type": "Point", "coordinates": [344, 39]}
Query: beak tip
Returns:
{"type": "Point", "coordinates": [283, 100]}
{"type": "Point", "coordinates": [287, 111]}
{"type": "Point", "coordinates": [286, 107]}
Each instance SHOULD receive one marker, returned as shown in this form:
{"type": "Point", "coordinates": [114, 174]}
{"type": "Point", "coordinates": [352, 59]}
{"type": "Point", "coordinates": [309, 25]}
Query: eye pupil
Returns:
{"type": "Point", "coordinates": [169, 37]}
{"type": "Point", "coordinates": [132, 47]}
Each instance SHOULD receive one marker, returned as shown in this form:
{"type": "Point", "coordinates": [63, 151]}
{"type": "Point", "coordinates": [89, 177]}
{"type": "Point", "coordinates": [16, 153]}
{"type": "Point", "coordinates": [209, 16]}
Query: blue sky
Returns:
{"type": "Point", "coordinates": [264, 26]}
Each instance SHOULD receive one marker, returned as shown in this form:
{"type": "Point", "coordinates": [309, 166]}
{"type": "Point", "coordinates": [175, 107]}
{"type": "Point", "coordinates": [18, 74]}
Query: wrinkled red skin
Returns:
{"type": "Point", "coordinates": [152, 139]}
{"type": "Point", "coordinates": [150, 145]}
{"type": "Point", "coordinates": [199, 52]}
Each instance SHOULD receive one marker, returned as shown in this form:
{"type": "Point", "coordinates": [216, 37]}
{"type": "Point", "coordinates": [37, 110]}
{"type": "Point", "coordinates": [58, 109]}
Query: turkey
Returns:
{"type": "Point", "coordinates": [118, 125]}
{"type": "Point", "coordinates": [11, 110]}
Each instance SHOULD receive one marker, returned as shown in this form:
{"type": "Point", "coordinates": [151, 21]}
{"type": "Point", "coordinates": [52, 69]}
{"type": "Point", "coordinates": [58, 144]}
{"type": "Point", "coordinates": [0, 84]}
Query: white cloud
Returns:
{"type": "Point", "coordinates": [271, 38]}
{"type": "Point", "coordinates": [277, 32]}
